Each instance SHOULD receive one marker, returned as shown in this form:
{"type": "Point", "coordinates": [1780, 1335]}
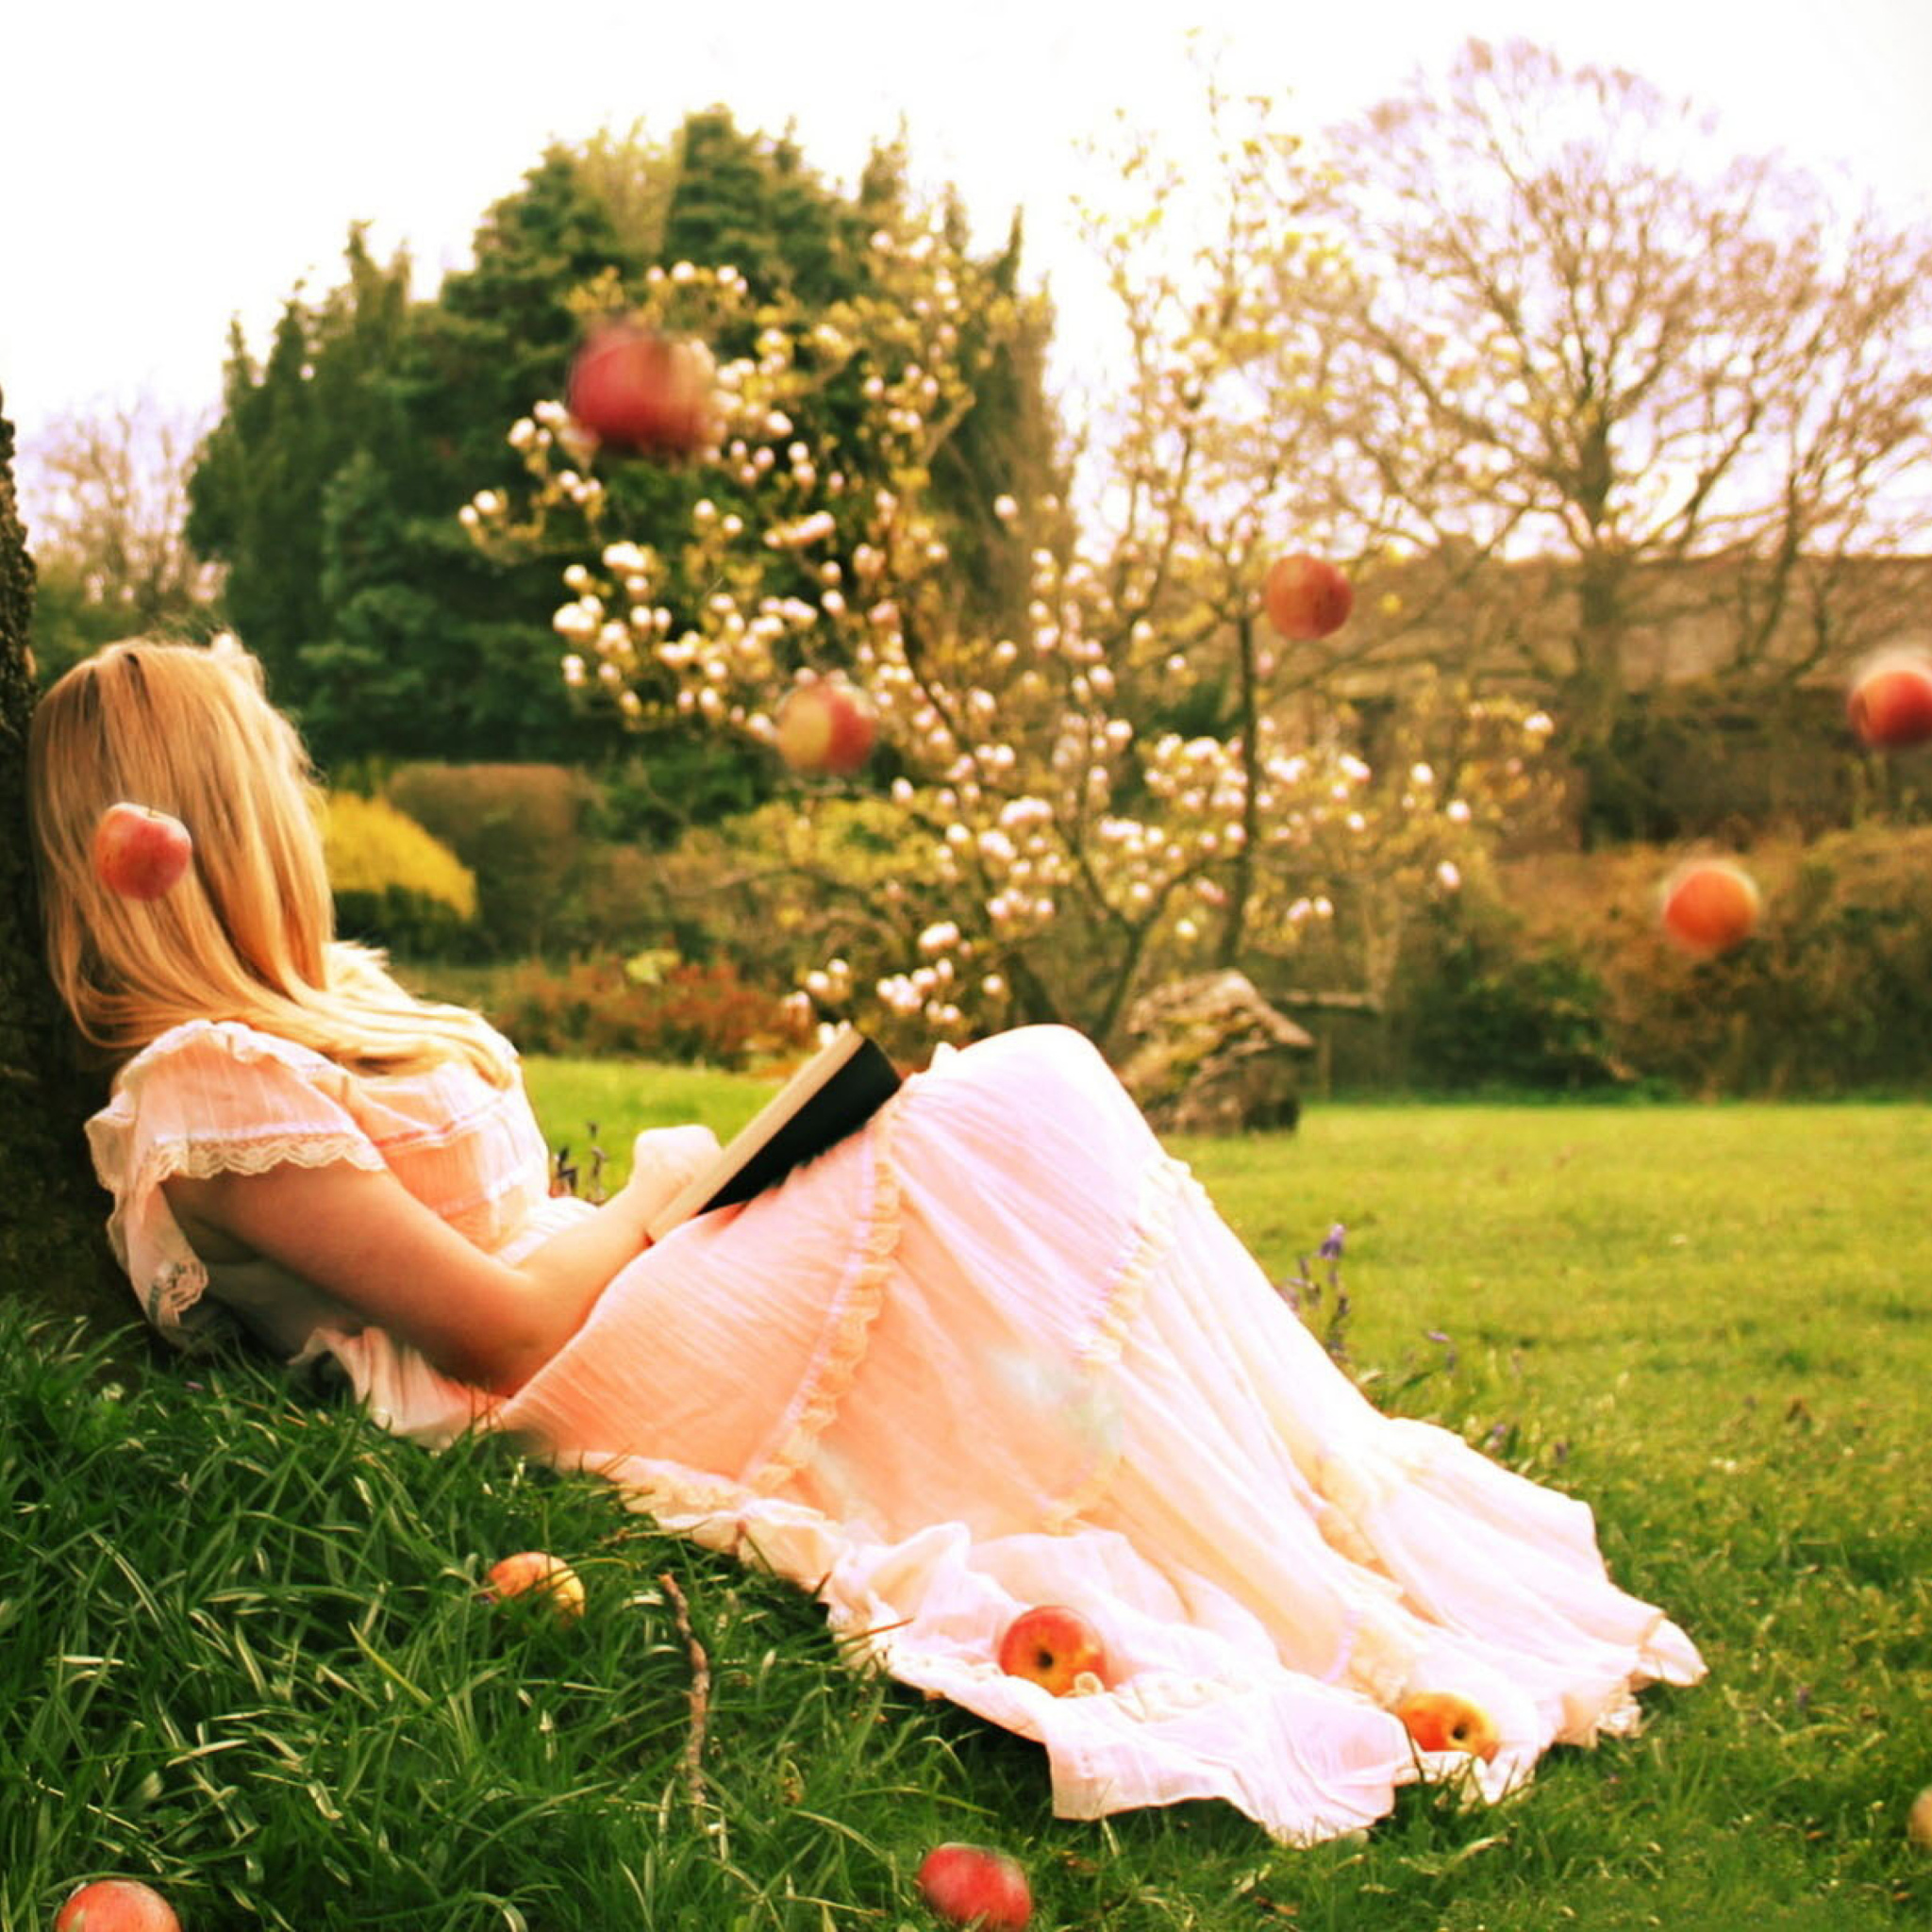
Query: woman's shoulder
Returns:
{"type": "Point", "coordinates": [234, 1040]}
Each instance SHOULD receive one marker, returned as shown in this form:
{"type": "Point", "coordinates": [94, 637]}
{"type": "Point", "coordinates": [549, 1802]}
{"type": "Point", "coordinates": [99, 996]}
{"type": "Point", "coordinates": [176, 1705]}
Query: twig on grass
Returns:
{"type": "Point", "coordinates": [700, 1692]}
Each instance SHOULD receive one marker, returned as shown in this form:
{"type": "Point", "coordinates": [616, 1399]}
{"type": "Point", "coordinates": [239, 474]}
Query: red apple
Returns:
{"type": "Point", "coordinates": [1440, 1721]}
{"type": "Point", "coordinates": [1306, 596]}
{"type": "Point", "coordinates": [116, 1904]}
{"type": "Point", "coordinates": [825, 727]}
{"type": "Point", "coordinates": [1891, 702]}
{"type": "Point", "coordinates": [139, 852]}
{"type": "Point", "coordinates": [1709, 906]}
{"type": "Point", "coordinates": [535, 1570]}
{"type": "Point", "coordinates": [639, 390]}
{"type": "Point", "coordinates": [969, 1885]}
{"type": "Point", "coordinates": [1054, 1647]}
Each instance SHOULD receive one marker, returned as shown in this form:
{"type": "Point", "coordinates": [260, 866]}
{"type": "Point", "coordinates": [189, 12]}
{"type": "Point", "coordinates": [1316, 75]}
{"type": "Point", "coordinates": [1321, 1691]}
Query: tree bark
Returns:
{"type": "Point", "coordinates": [53, 1246]}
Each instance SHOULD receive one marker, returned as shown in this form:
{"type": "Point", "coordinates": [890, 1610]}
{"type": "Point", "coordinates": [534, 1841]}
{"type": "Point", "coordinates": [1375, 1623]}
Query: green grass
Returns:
{"type": "Point", "coordinates": [241, 1654]}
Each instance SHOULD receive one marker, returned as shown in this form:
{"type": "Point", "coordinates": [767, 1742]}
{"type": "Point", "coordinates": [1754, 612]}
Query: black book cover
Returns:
{"type": "Point", "coordinates": [833, 1094]}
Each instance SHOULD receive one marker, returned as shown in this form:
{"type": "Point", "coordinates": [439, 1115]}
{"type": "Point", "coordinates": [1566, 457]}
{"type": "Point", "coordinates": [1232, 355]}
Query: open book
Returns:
{"type": "Point", "coordinates": [832, 1095]}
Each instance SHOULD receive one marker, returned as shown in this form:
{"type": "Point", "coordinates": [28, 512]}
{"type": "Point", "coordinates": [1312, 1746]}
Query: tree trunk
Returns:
{"type": "Point", "coordinates": [53, 1246]}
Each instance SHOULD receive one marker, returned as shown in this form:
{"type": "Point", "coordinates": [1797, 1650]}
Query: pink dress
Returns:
{"type": "Point", "coordinates": [996, 1350]}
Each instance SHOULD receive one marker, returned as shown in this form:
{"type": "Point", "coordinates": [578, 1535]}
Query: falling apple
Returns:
{"type": "Point", "coordinates": [1442, 1721]}
{"type": "Point", "coordinates": [535, 1570]}
{"type": "Point", "coordinates": [825, 727]}
{"type": "Point", "coordinates": [139, 852]}
{"type": "Point", "coordinates": [116, 1904]}
{"type": "Point", "coordinates": [1306, 596]}
{"type": "Point", "coordinates": [1054, 1647]}
{"type": "Point", "coordinates": [1709, 906]}
{"type": "Point", "coordinates": [1890, 701]}
{"type": "Point", "coordinates": [639, 390]}
{"type": "Point", "coordinates": [969, 1885]}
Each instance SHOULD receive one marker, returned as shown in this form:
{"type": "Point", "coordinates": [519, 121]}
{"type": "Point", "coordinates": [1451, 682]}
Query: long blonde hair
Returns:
{"type": "Point", "coordinates": [248, 933]}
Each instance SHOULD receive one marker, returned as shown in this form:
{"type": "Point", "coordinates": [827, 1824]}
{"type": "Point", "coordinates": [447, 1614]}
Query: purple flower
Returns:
{"type": "Point", "coordinates": [1331, 1249]}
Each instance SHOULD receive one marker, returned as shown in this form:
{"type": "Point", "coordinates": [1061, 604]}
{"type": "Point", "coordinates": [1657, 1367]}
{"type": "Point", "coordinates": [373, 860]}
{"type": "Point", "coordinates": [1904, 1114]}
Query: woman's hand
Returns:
{"type": "Point", "coordinates": [662, 1160]}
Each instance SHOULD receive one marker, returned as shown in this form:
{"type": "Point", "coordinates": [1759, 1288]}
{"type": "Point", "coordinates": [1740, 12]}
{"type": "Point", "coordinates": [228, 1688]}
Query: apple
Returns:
{"type": "Point", "coordinates": [825, 727]}
{"type": "Point", "coordinates": [969, 1885]}
{"type": "Point", "coordinates": [1709, 906]}
{"type": "Point", "coordinates": [1890, 701]}
{"type": "Point", "coordinates": [535, 1570]}
{"type": "Point", "coordinates": [637, 389]}
{"type": "Point", "coordinates": [140, 852]}
{"type": "Point", "coordinates": [1919, 1820]}
{"type": "Point", "coordinates": [1442, 1721]}
{"type": "Point", "coordinates": [1306, 596]}
{"type": "Point", "coordinates": [116, 1904]}
{"type": "Point", "coordinates": [1054, 1647]}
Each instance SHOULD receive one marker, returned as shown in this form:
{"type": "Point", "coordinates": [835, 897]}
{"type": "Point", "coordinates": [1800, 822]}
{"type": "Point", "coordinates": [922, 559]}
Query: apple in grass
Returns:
{"type": "Point", "coordinates": [139, 852]}
{"type": "Point", "coordinates": [825, 727]}
{"type": "Point", "coordinates": [639, 390]}
{"type": "Point", "coordinates": [536, 1570]}
{"type": "Point", "coordinates": [1442, 1721]}
{"type": "Point", "coordinates": [1709, 906]}
{"type": "Point", "coordinates": [116, 1904]}
{"type": "Point", "coordinates": [970, 1885]}
{"type": "Point", "coordinates": [1919, 1820]}
{"type": "Point", "coordinates": [1306, 597]}
{"type": "Point", "coordinates": [1054, 1647]}
{"type": "Point", "coordinates": [1890, 701]}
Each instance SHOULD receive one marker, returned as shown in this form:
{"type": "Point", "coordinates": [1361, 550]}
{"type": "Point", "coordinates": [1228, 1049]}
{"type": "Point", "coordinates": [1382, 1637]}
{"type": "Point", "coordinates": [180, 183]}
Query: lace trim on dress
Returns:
{"type": "Point", "coordinates": [1152, 1233]}
{"type": "Point", "coordinates": [180, 1279]}
{"type": "Point", "coordinates": [826, 1383]}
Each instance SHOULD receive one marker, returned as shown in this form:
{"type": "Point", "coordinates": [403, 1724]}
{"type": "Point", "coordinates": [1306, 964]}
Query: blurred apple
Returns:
{"type": "Point", "coordinates": [1891, 702]}
{"type": "Point", "coordinates": [1709, 906]}
{"type": "Point", "coordinates": [116, 1904]}
{"type": "Point", "coordinates": [535, 1570]}
{"type": "Point", "coordinates": [1306, 596]}
{"type": "Point", "coordinates": [1440, 1721]}
{"type": "Point", "coordinates": [825, 727]}
{"type": "Point", "coordinates": [639, 390]}
{"type": "Point", "coordinates": [139, 852]}
{"type": "Point", "coordinates": [1054, 1647]}
{"type": "Point", "coordinates": [1919, 1820]}
{"type": "Point", "coordinates": [969, 1885]}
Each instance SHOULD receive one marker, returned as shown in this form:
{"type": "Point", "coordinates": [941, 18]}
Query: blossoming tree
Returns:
{"type": "Point", "coordinates": [1135, 780]}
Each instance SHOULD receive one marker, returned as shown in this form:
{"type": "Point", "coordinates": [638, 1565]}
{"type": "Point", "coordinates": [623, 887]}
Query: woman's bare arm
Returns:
{"type": "Point", "coordinates": [363, 1237]}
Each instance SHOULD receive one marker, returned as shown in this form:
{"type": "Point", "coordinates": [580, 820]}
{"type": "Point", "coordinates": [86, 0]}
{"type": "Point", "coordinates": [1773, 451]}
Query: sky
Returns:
{"type": "Point", "coordinates": [164, 170]}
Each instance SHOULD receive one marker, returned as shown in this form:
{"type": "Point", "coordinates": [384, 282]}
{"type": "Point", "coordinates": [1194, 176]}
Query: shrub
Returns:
{"type": "Point", "coordinates": [1830, 997]}
{"type": "Point", "coordinates": [395, 885]}
{"type": "Point", "coordinates": [654, 1006]}
{"type": "Point", "coordinates": [520, 828]}
{"type": "Point", "coordinates": [1479, 1007]}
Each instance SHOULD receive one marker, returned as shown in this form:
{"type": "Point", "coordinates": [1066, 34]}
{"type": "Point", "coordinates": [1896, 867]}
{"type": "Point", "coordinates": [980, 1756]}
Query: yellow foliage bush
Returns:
{"type": "Point", "coordinates": [394, 884]}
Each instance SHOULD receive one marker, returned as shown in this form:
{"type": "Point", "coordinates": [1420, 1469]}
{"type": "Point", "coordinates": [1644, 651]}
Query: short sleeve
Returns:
{"type": "Point", "coordinates": [206, 1098]}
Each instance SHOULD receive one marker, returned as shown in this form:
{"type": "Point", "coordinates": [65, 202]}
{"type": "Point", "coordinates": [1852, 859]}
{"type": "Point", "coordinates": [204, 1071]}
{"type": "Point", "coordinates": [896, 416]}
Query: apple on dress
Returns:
{"type": "Point", "coordinates": [1056, 1648]}
{"type": "Point", "coordinates": [1442, 1721]}
{"type": "Point", "coordinates": [139, 852]}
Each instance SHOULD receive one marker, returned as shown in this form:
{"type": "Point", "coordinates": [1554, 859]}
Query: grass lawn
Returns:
{"type": "Point", "coordinates": [241, 1654]}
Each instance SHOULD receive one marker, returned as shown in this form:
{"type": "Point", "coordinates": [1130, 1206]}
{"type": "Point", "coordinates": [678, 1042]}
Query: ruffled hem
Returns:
{"type": "Point", "coordinates": [1150, 1236]}
{"type": "Point", "coordinates": [856, 1308]}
